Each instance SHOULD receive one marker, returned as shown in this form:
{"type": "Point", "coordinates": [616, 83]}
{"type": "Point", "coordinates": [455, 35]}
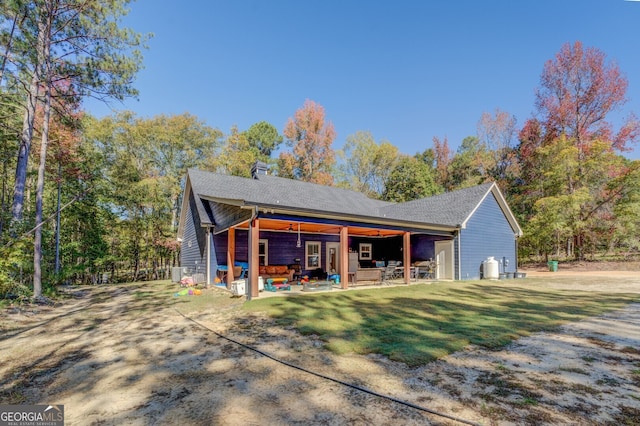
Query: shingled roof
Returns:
{"type": "Point", "coordinates": [450, 209]}
{"type": "Point", "coordinates": [273, 191]}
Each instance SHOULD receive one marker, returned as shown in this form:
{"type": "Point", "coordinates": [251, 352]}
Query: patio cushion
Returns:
{"type": "Point", "coordinates": [275, 271]}
{"type": "Point", "coordinates": [281, 269]}
{"type": "Point", "coordinates": [271, 270]}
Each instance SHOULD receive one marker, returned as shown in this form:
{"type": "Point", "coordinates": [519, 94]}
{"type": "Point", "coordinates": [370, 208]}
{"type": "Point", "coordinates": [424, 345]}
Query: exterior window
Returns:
{"type": "Point", "coordinates": [365, 251]}
{"type": "Point", "coordinates": [263, 252]}
{"type": "Point", "coordinates": [312, 255]}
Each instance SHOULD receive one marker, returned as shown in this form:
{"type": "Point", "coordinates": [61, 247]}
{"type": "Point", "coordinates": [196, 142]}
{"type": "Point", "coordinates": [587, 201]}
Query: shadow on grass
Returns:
{"type": "Point", "coordinates": [421, 323]}
{"type": "Point", "coordinates": [123, 355]}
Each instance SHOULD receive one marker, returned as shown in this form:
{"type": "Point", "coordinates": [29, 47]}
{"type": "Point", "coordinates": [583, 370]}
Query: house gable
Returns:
{"type": "Point", "coordinates": [486, 233]}
{"type": "Point", "coordinates": [193, 244]}
{"type": "Point", "coordinates": [502, 204]}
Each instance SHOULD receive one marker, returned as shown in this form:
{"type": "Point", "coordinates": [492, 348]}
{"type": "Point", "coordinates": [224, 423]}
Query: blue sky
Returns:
{"type": "Point", "coordinates": [405, 70]}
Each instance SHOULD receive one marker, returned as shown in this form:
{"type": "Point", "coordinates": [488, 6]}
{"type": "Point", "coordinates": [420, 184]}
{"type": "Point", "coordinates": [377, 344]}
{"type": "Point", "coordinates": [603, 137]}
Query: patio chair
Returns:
{"type": "Point", "coordinates": [425, 270]}
{"type": "Point", "coordinates": [388, 274]}
{"type": "Point", "coordinates": [237, 273]}
{"type": "Point", "coordinates": [398, 271]}
{"type": "Point", "coordinates": [422, 272]}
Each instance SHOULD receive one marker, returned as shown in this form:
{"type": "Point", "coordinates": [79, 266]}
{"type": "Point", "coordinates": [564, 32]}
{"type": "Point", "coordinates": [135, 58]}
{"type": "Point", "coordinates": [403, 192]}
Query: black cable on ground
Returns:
{"type": "Point", "coordinates": [322, 376]}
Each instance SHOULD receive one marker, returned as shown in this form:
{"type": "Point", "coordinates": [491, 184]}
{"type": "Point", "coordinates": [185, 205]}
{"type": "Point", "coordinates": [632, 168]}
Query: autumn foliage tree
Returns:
{"type": "Point", "coordinates": [442, 159]}
{"type": "Point", "coordinates": [311, 138]}
{"type": "Point", "coordinates": [572, 173]}
{"type": "Point", "coordinates": [470, 165]}
{"type": "Point", "coordinates": [578, 89]}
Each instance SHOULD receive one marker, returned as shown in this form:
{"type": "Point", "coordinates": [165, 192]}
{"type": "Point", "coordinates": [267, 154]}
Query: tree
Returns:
{"type": "Point", "coordinates": [578, 89]}
{"type": "Point", "coordinates": [410, 179]}
{"type": "Point", "coordinates": [572, 178]}
{"type": "Point", "coordinates": [265, 138]}
{"type": "Point", "coordinates": [9, 134]}
{"type": "Point", "coordinates": [79, 42]}
{"type": "Point", "coordinates": [587, 204]}
{"type": "Point", "coordinates": [498, 132]}
{"type": "Point", "coordinates": [470, 165]}
{"type": "Point", "coordinates": [442, 159]}
{"type": "Point", "coordinates": [311, 138]}
{"type": "Point", "coordinates": [55, 43]}
{"type": "Point", "coordinates": [145, 163]}
{"type": "Point", "coordinates": [627, 210]}
{"type": "Point", "coordinates": [238, 155]}
{"type": "Point", "coordinates": [177, 143]}
{"type": "Point", "coordinates": [368, 164]}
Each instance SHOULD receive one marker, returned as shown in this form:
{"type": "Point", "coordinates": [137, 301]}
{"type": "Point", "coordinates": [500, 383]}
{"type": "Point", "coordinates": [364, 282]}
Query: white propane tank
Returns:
{"type": "Point", "coordinates": [490, 269]}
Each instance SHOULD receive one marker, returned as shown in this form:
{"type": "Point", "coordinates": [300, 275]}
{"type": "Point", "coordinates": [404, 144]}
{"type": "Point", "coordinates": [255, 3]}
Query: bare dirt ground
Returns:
{"type": "Point", "coordinates": [119, 355]}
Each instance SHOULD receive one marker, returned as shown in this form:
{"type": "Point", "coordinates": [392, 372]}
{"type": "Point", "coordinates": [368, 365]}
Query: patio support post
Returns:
{"type": "Point", "coordinates": [406, 261]}
{"type": "Point", "coordinates": [231, 255]}
{"type": "Point", "coordinates": [344, 257]}
{"type": "Point", "coordinates": [208, 256]}
{"type": "Point", "coordinates": [254, 262]}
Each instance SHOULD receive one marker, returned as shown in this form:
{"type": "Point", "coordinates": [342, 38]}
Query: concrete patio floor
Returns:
{"type": "Point", "coordinates": [298, 289]}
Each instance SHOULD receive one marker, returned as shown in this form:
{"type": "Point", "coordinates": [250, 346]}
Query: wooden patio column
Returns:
{"type": "Point", "coordinates": [231, 255]}
{"type": "Point", "coordinates": [344, 257]}
{"type": "Point", "coordinates": [208, 245]}
{"type": "Point", "coordinates": [254, 262]}
{"type": "Point", "coordinates": [406, 261]}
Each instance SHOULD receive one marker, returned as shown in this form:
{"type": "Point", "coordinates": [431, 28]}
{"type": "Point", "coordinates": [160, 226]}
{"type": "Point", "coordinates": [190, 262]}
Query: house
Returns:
{"type": "Point", "coordinates": [268, 220]}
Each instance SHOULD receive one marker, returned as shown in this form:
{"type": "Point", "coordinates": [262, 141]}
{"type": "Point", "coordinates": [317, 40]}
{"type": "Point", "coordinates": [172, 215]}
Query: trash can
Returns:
{"type": "Point", "coordinates": [553, 265]}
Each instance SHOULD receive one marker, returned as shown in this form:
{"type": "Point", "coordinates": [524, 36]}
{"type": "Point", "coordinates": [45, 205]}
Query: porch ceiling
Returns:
{"type": "Point", "coordinates": [318, 228]}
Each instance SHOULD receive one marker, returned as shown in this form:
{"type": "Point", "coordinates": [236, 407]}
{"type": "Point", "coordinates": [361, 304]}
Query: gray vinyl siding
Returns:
{"type": "Point", "coordinates": [487, 233]}
{"type": "Point", "coordinates": [193, 250]}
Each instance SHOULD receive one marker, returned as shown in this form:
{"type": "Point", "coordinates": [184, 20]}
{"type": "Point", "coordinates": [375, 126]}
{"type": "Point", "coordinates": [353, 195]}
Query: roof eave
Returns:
{"type": "Point", "coordinates": [371, 220]}
{"type": "Point", "coordinates": [183, 208]}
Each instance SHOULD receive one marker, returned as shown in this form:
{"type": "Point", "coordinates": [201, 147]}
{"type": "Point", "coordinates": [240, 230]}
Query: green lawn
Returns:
{"type": "Point", "coordinates": [420, 323]}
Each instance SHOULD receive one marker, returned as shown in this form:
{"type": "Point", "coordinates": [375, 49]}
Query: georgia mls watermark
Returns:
{"type": "Point", "coordinates": [31, 415]}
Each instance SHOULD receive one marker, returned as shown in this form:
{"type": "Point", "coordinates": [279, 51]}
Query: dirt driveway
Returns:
{"type": "Point", "coordinates": [130, 355]}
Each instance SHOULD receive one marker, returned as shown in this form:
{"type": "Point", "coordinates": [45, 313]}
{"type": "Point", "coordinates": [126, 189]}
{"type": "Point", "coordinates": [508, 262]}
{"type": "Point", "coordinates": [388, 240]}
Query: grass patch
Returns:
{"type": "Point", "coordinates": [630, 350]}
{"type": "Point", "coordinates": [635, 377]}
{"type": "Point", "coordinates": [627, 416]}
{"type": "Point", "coordinates": [212, 298]}
{"type": "Point", "coordinates": [576, 370]}
{"type": "Point", "coordinates": [420, 323]}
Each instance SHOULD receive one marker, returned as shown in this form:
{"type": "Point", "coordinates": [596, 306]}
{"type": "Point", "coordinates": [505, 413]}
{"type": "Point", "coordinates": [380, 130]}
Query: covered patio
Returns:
{"type": "Point", "coordinates": [298, 290]}
{"type": "Point", "coordinates": [344, 251]}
